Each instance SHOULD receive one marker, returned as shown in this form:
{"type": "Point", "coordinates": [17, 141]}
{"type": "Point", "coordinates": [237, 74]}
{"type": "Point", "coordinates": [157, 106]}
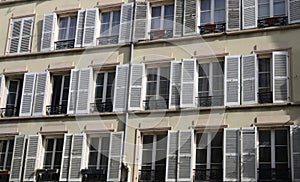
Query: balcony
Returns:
{"type": "Point", "coordinates": [9, 112]}
{"type": "Point", "coordinates": [56, 109]}
{"type": "Point", "coordinates": [274, 174]}
{"type": "Point", "coordinates": [107, 40]}
{"type": "Point", "coordinates": [148, 175]}
{"type": "Point", "coordinates": [161, 34]}
{"type": "Point", "coordinates": [47, 175]}
{"type": "Point", "coordinates": [102, 107]}
{"type": "Point", "coordinates": [207, 101]}
{"type": "Point", "coordinates": [64, 44]}
{"type": "Point", "coordinates": [272, 21]}
{"type": "Point", "coordinates": [4, 176]}
{"type": "Point", "coordinates": [208, 175]}
{"type": "Point", "coordinates": [93, 175]}
{"type": "Point", "coordinates": [265, 97]}
{"type": "Point", "coordinates": [212, 28]}
{"type": "Point", "coordinates": [156, 104]}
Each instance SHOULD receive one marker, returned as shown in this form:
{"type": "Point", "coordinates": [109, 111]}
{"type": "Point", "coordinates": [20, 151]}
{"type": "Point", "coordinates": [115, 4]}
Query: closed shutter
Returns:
{"type": "Point", "coordinates": [2, 89]}
{"type": "Point", "coordinates": [136, 86]}
{"type": "Point", "coordinates": [232, 80]}
{"type": "Point", "coordinates": [115, 156]}
{"type": "Point", "coordinates": [126, 23]}
{"type": "Point", "coordinates": [72, 99]}
{"type": "Point", "coordinates": [295, 152]}
{"type": "Point", "coordinates": [65, 163]}
{"type": "Point", "coordinates": [79, 28]}
{"type": "Point", "coordinates": [17, 158]}
{"type": "Point", "coordinates": [249, 14]}
{"type": "Point", "coordinates": [179, 9]}
{"type": "Point", "coordinates": [231, 161]}
{"type": "Point", "coordinates": [42, 83]}
{"type": "Point", "coordinates": [233, 15]}
{"type": "Point", "coordinates": [185, 149]}
{"type": "Point", "coordinates": [48, 34]}
{"type": "Point", "coordinates": [280, 77]}
{"type": "Point", "coordinates": [141, 21]}
{"type": "Point", "coordinates": [249, 79]}
{"type": "Point", "coordinates": [14, 38]}
{"type": "Point", "coordinates": [26, 34]}
{"type": "Point", "coordinates": [175, 84]}
{"type": "Point", "coordinates": [188, 83]}
{"type": "Point", "coordinates": [83, 93]}
{"type": "Point", "coordinates": [190, 17]}
{"type": "Point", "coordinates": [120, 96]}
{"type": "Point", "coordinates": [172, 152]}
{"type": "Point", "coordinates": [248, 154]}
{"type": "Point", "coordinates": [77, 159]}
{"type": "Point", "coordinates": [27, 94]}
{"type": "Point", "coordinates": [91, 26]}
{"type": "Point", "coordinates": [294, 13]}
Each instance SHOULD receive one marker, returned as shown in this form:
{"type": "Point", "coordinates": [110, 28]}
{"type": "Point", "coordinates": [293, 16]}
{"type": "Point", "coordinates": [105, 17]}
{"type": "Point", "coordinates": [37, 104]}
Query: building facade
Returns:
{"type": "Point", "coordinates": [168, 90]}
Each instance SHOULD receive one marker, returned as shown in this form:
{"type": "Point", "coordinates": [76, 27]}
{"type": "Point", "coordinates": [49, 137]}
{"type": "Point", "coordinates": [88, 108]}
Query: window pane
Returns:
{"type": "Point", "coordinates": [156, 11]}
{"type": "Point", "coordinates": [111, 77]}
{"type": "Point", "coordinates": [204, 70]}
{"type": "Point", "coordinates": [264, 138]}
{"type": "Point", "coordinates": [280, 137]}
{"type": "Point", "coordinates": [105, 143]}
{"type": "Point", "coordinates": [205, 5]}
{"type": "Point", "coordinates": [202, 140]}
{"type": "Point", "coordinates": [160, 156]}
{"type": "Point", "coordinates": [264, 154]}
{"type": "Point", "coordinates": [93, 158]}
{"type": "Point", "coordinates": [103, 160]}
{"type": "Point", "coordinates": [169, 10]}
{"type": "Point", "coordinates": [151, 88]}
{"type": "Point", "coordinates": [281, 154]}
{"type": "Point", "coordinates": [216, 155]}
{"type": "Point", "coordinates": [94, 144]}
{"type": "Point", "coordinates": [201, 156]}
{"type": "Point", "coordinates": [57, 160]}
{"type": "Point", "coordinates": [161, 142]}
{"type": "Point", "coordinates": [8, 161]}
{"type": "Point", "coordinates": [11, 146]}
{"type": "Point", "coordinates": [48, 160]}
{"type": "Point", "coordinates": [279, 8]}
{"type": "Point", "coordinates": [148, 139]}
{"type": "Point", "coordinates": [205, 18]}
{"type": "Point", "coordinates": [105, 17]}
{"type": "Point", "coordinates": [219, 4]}
{"type": "Point", "coordinates": [63, 23]}
{"type": "Point", "coordinates": [151, 74]}
{"type": "Point", "coordinates": [104, 29]}
{"type": "Point", "coordinates": [203, 85]}
{"type": "Point", "coordinates": [219, 16]}
{"type": "Point", "coordinates": [50, 144]}
{"type": "Point", "coordinates": [217, 139]}
{"type": "Point", "coordinates": [59, 144]}
{"type": "Point", "coordinates": [263, 10]}
{"type": "Point", "coordinates": [147, 157]}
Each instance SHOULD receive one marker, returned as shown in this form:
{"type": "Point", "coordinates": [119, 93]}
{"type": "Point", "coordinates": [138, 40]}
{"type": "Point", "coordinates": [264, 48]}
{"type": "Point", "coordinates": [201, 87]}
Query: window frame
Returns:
{"type": "Point", "coordinates": [105, 84]}
{"type": "Point", "coordinates": [62, 87]}
{"type": "Point", "coordinates": [7, 152]}
{"type": "Point", "coordinates": [162, 16]}
{"type": "Point", "coordinates": [271, 9]}
{"type": "Point", "coordinates": [99, 150]}
{"type": "Point", "coordinates": [110, 23]}
{"type": "Point", "coordinates": [53, 152]}
{"type": "Point", "coordinates": [212, 11]}
{"type": "Point", "coordinates": [69, 16]}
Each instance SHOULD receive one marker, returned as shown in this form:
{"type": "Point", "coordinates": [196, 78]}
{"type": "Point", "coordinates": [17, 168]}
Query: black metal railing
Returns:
{"type": "Point", "coordinates": [206, 101]}
{"type": "Point", "coordinates": [4, 176]}
{"type": "Point", "coordinates": [208, 174]}
{"type": "Point", "coordinates": [161, 34]}
{"type": "Point", "coordinates": [93, 175]}
{"type": "Point", "coordinates": [9, 112]}
{"type": "Point", "coordinates": [274, 174]}
{"type": "Point", "coordinates": [47, 175]}
{"type": "Point", "coordinates": [64, 44]}
{"type": "Point", "coordinates": [272, 21]}
{"type": "Point", "coordinates": [156, 104]}
{"type": "Point", "coordinates": [212, 28]}
{"type": "Point", "coordinates": [265, 97]}
{"type": "Point", "coordinates": [56, 109]}
{"type": "Point", "coordinates": [102, 107]}
{"type": "Point", "coordinates": [107, 40]}
{"type": "Point", "coordinates": [148, 175]}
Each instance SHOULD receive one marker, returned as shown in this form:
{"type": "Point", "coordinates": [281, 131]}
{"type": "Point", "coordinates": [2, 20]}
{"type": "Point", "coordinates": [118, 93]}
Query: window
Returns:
{"type": "Point", "coordinates": [66, 32]}
{"type": "Point", "coordinates": [53, 153]}
{"type": "Point", "coordinates": [6, 152]}
{"type": "Point", "coordinates": [13, 100]}
{"type": "Point", "coordinates": [110, 25]}
{"type": "Point", "coordinates": [271, 8]}
{"type": "Point", "coordinates": [264, 81]}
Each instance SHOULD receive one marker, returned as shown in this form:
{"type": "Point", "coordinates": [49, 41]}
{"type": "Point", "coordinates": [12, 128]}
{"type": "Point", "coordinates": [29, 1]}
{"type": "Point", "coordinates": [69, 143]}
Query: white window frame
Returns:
{"type": "Point", "coordinates": [271, 70]}
{"type": "Point", "coordinates": [7, 152]}
{"type": "Point", "coordinates": [104, 91]}
{"type": "Point", "coordinates": [162, 15]}
{"type": "Point", "coordinates": [271, 7]}
{"type": "Point", "coordinates": [110, 22]}
{"type": "Point", "coordinates": [53, 150]}
{"type": "Point", "coordinates": [212, 12]}
{"type": "Point", "coordinates": [62, 87]}
{"type": "Point", "coordinates": [68, 26]}
{"type": "Point", "coordinates": [100, 137]}
{"type": "Point", "coordinates": [17, 92]}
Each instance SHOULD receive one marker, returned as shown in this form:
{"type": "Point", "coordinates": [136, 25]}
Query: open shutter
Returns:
{"type": "Point", "coordinates": [72, 99]}
{"type": "Point", "coordinates": [83, 93]}
{"type": "Point", "coordinates": [141, 21]}
{"type": "Point", "coordinates": [2, 89]}
{"type": "Point", "coordinates": [231, 161]}
{"type": "Point", "coordinates": [295, 152]}
{"type": "Point", "coordinates": [77, 159]}
{"type": "Point", "coordinates": [179, 8]}
{"type": "Point", "coordinates": [232, 80]}
{"type": "Point", "coordinates": [248, 154]}
{"type": "Point", "coordinates": [42, 83]}
{"type": "Point", "coordinates": [190, 24]}
{"type": "Point", "coordinates": [233, 15]}
{"type": "Point", "coordinates": [172, 152]}
{"type": "Point", "coordinates": [32, 157]}
{"type": "Point", "coordinates": [27, 94]}
{"type": "Point", "coordinates": [65, 161]}
{"type": "Point", "coordinates": [249, 81]}
{"type": "Point", "coordinates": [115, 156]}
{"type": "Point", "coordinates": [294, 13]}
{"type": "Point", "coordinates": [17, 158]}
{"type": "Point", "coordinates": [48, 34]}
{"type": "Point", "coordinates": [185, 150]}
{"type": "Point", "coordinates": [280, 77]}
{"type": "Point", "coordinates": [126, 23]}
{"type": "Point", "coordinates": [136, 86]}
{"type": "Point", "coordinates": [175, 84]}
{"type": "Point", "coordinates": [26, 34]}
{"type": "Point", "coordinates": [91, 26]}
{"type": "Point", "coordinates": [120, 96]}
{"type": "Point", "coordinates": [250, 14]}
{"type": "Point", "coordinates": [79, 28]}
{"type": "Point", "coordinates": [14, 37]}
{"type": "Point", "coordinates": [188, 83]}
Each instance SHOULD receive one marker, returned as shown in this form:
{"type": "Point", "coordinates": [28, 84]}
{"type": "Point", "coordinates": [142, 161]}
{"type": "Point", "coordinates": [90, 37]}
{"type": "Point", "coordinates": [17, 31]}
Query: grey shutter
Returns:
{"type": "Point", "coordinates": [65, 161]}
{"type": "Point", "coordinates": [136, 86]}
{"type": "Point", "coordinates": [175, 84]}
{"type": "Point", "coordinates": [233, 15]}
{"type": "Point", "coordinates": [248, 154]}
{"type": "Point", "coordinates": [83, 93]}
{"type": "Point", "coordinates": [141, 21]}
{"type": "Point", "coordinates": [120, 96]}
{"type": "Point", "coordinates": [249, 79]}
{"type": "Point", "coordinates": [72, 99]}
{"type": "Point", "coordinates": [42, 82]}
{"type": "Point", "coordinates": [179, 9]}
{"type": "Point", "coordinates": [17, 158]}
{"type": "Point", "coordinates": [185, 150]}
{"type": "Point", "coordinates": [232, 80]}
{"type": "Point", "coordinates": [295, 152]}
{"type": "Point", "coordinates": [27, 94]}
{"type": "Point", "coordinates": [2, 89]}
{"type": "Point", "coordinates": [190, 17]}
{"type": "Point", "coordinates": [249, 14]}
{"type": "Point", "coordinates": [48, 34]}
{"type": "Point", "coordinates": [32, 157]}
{"type": "Point", "coordinates": [172, 152]}
{"type": "Point", "coordinates": [77, 159]}
{"type": "Point", "coordinates": [79, 28]}
{"type": "Point", "coordinates": [294, 13]}
{"type": "Point", "coordinates": [188, 83]}
{"type": "Point", "coordinates": [231, 161]}
{"type": "Point", "coordinates": [126, 23]}
{"type": "Point", "coordinates": [26, 34]}
{"type": "Point", "coordinates": [14, 37]}
{"type": "Point", "coordinates": [115, 156]}
{"type": "Point", "coordinates": [91, 25]}
{"type": "Point", "coordinates": [280, 77]}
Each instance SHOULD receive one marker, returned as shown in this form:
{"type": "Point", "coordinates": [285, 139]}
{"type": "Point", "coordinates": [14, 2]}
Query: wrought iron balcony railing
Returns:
{"type": "Point", "coordinates": [56, 109]}
{"type": "Point", "coordinates": [156, 104]}
{"type": "Point", "coordinates": [64, 44]}
{"type": "Point", "coordinates": [93, 175]}
{"type": "Point", "coordinates": [265, 97]}
{"type": "Point", "coordinates": [272, 21]}
{"type": "Point", "coordinates": [107, 40]}
{"type": "Point", "coordinates": [212, 28]}
{"type": "Point", "coordinates": [161, 34]}
{"type": "Point", "coordinates": [9, 112]}
{"type": "Point", "coordinates": [274, 174]}
{"type": "Point", "coordinates": [208, 175]}
{"type": "Point", "coordinates": [148, 175]}
{"type": "Point", "coordinates": [206, 101]}
{"type": "Point", "coordinates": [102, 107]}
{"type": "Point", "coordinates": [47, 175]}
{"type": "Point", "coordinates": [4, 176]}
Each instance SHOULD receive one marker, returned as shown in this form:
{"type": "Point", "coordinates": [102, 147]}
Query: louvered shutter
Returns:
{"type": "Point", "coordinates": [172, 152]}
{"type": "Point", "coordinates": [17, 158]}
{"type": "Point", "coordinates": [126, 23]}
{"type": "Point", "coordinates": [249, 79]}
{"type": "Point", "coordinates": [295, 152]}
{"type": "Point", "coordinates": [179, 9]}
{"type": "Point", "coordinates": [77, 159]}
{"type": "Point", "coordinates": [2, 89]}
{"type": "Point", "coordinates": [120, 96]}
{"type": "Point", "coordinates": [190, 24]}
{"type": "Point", "coordinates": [32, 157]}
{"type": "Point", "coordinates": [232, 80]}
{"type": "Point", "coordinates": [248, 154]}
{"type": "Point", "coordinates": [185, 149]}
{"type": "Point", "coordinates": [83, 93]}
{"type": "Point", "coordinates": [188, 83]}
{"type": "Point", "coordinates": [280, 77]}
{"type": "Point", "coordinates": [14, 38]}
{"type": "Point", "coordinates": [294, 13]}
{"type": "Point", "coordinates": [72, 99]}
{"type": "Point", "coordinates": [136, 86]}
{"type": "Point", "coordinates": [249, 14]}
{"type": "Point", "coordinates": [79, 28]}
{"type": "Point", "coordinates": [231, 161]}
{"type": "Point", "coordinates": [27, 94]}
{"type": "Point", "coordinates": [115, 156]}
{"type": "Point", "coordinates": [65, 161]}
{"type": "Point", "coordinates": [42, 83]}
{"type": "Point", "coordinates": [141, 21]}
{"type": "Point", "coordinates": [175, 84]}
{"type": "Point", "coordinates": [233, 15]}
{"type": "Point", "coordinates": [91, 26]}
{"type": "Point", "coordinates": [26, 36]}
{"type": "Point", "coordinates": [48, 34]}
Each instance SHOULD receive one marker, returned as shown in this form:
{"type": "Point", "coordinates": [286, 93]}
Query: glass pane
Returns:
{"type": "Point", "coordinates": [57, 159]}
{"type": "Point", "coordinates": [219, 16]}
{"type": "Point", "coordinates": [94, 144]}
{"type": "Point", "coordinates": [169, 10]}
{"type": "Point", "coordinates": [93, 158]}
{"type": "Point", "coordinates": [50, 144]}
{"type": "Point", "coordinates": [216, 155]}
{"type": "Point", "coordinates": [265, 171]}
{"type": "Point", "coordinates": [264, 138]}
{"type": "Point", "coordinates": [147, 157]}
{"type": "Point", "coordinates": [219, 4]}
{"type": "Point", "coordinates": [8, 161]}
{"type": "Point", "coordinates": [103, 160]}
{"type": "Point", "coordinates": [13, 85]}
{"type": "Point", "coordinates": [99, 92]}
{"type": "Point", "coordinates": [201, 156]}
{"type": "Point", "coordinates": [218, 83]}
{"type": "Point", "coordinates": [111, 77]}
{"type": "Point", "coordinates": [105, 143]}
{"type": "Point", "coordinates": [48, 159]}
{"type": "Point", "coordinates": [264, 154]}
{"type": "Point", "coordinates": [203, 84]}
{"type": "Point", "coordinates": [204, 70]}
{"type": "Point", "coordinates": [156, 11]}
{"type": "Point", "coordinates": [105, 17]}
{"type": "Point", "coordinates": [281, 154]}
{"type": "Point", "coordinates": [202, 140]}
{"type": "Point", "coordinates": [2, 158]}
{"type": "Point", "coordinates": [264, 65]}
{"type": "Point", "coordinates": [151, 74]}
{"type": "Point", "coordinates": [151, 88]}
{"type": "Point", "coordinates": [147, 141]}
{"type": "Point", "coordinates": [161, 142]}
{"type": "Point", "coordinates": [280, 137]}
{"type": "Point", "coordinates": [164, 89]}
{"type": "Point", "coordinates": [100, 79]}
{"type": "Point", "coordinates": [11, 146]}
{"type": "Point", "coordinates": [116, 16]}
{"type": "Point", "coordinates": [104, 29]}
{"type": "Point", "coordinates": [279, 8]}
{"type": "Point", "coordinates": [205, 5]}
{"type": "Point", "coordinates": [217, 139]}
{"type": "Point", "coordinates": [160, 156]}
{"type": "Point", "coordinates": [264, 80]}
{"type": "Point", "coordinates": [59, 144]}
{"type": "Point", "coordinates": [205, 18]}
{"type": "Point", "coordinates": [263, 10]}
{"type": "Point", "coordinates": [155, 23]}
{"type": "Point", "coordinates": [63, 22]}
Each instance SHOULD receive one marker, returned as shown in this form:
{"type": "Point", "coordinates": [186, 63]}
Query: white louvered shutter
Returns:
{"type": "Point", "coordinates": [42, 83]}
{"type": "Point", "coordinates": [26, 36]}
{"type": "Point", "coordinates": [232, 80]}
{"type": "Point", "coordinates": [79, 28]}
{"type": "Point", "coordinates": [120, 96]}
{"type": "Point", "coordinates": [65, 161]}
{"type": "Point", "coordinates": [248, 154]}
{"type": "Point", "coordinates": [115, 156]}
{"type": "Point", "coordinates": [250, 14]}
{"type": "Point", "coordinates": [188, 83]}
{"type": "Point", "coordinates": [185, 151]}
{"type": "Point", "coordinates": [72, 99]}
{"type": "Point", "coordinates": [233, 15]}
{"type": "Point", "coordinates": [141, 21]}
{"type": "Point", "coordinates": [17, 158]}
{"type": "Point", "coordinates": [2, 90]}
{"type": "Point", "coordinates": [136, 86]}
{"type": "Point", "coordinates": [231, 149]}
{"type": "Point", "coordinates": [249, 79]}
{"type": "Point", "coordinates": [294, 13]}
{"type": "Point", "coordinates": [178, 20]}
{"type": "Point", "coordinates": [175, 84]}
{"type": "Point", "coordinates": [27, 94]}
{"type": "Point", "coordinates": [77, 151]}
{"type": "Point", "coordinates": [126, 23]}
{"type": "Point", "coordinates": [84, 90]}
{"type": "Point", "coordinates": [280, 77]}
{"type": "Point", "coordinates": [172, 153]}
{"type": "Point", "coordinates": [33, 160]}
{"type": "Point", "coordinates": [14, 38]}
{"type": "Point", "coordinates": [190, 24]}
{"type": "Point", "coordinates": [48, 34]}
{"type": "Point", "coordinates": [295, 152]}
{"type": "Point", "coordinates": [91, 26]}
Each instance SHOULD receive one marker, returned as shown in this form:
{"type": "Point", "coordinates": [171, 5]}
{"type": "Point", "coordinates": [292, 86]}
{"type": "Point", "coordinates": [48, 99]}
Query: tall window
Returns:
{"type": "Point", "coordinates": [13, 97]}
{"type": "Point", "coordinates": [66, 32]}
{"type": "Point", "coordinates": [271, 8]}
{"type": "Point", "coordinates": [162, 17]}
{"type": "Point", "coordinates": [212, 11]}
{"type": "Point", "coordinates": [264, 80]}
{"type": "Point", "coordinates": [60, 93]}
{"type": "Point", "coordinates": [110, 23]}
{"type": "Point", "coordinates": [53, 153]}
{"type": "Point", "coordinates": [6, 152]}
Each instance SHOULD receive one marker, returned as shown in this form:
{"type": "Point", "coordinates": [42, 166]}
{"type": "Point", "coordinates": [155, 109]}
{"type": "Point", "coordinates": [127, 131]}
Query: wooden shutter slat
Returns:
{"type": "Point", "coordinates": [79, 28]}
{"type": "Point", "coordinates": [120, 89]}
{"type": "Point", "coordinates": [14, 37]}
{"type": "Point", "coordinates": [17, 158]}
{"type": "Point", "coordinates": [233, 15]}
{"type": "Point", "coordinates": [77, 159]}
{"type": "Point", "coordinates": [126, 23]}
{"type": "Point", "coordinates": [83, 93]}
{"type": "Point", "coordinates": [249, 79]}
{"type": "Point", "coordinates": [42, 83]}
{"type": "Point", "coordinates": [188, 83]}
{"type": "Point", "coordinates": [72, 99]}
{"type": "Point", "coordinates": [178, 23]}
{"type": "Point", "coordinates": [27, 94]}
{"type": "Point", "coordinates": [185, 150]}
{"type": "Point", "coordinates": [136, 86]}
{"type": "Point", "coordinates": [293, 9]}
{"type": "Point", "coordinates": [190, 17]}
{"type": "Point", "coordinates": [175, 84]}
{"type": "Point", "coordinates": [66, 155]}
{"type": "Point", "coordinates": [91, 26]}
{"type": "Point", "coordinates": [232, 80]}
{"type": "Point", "coordinates": [48, 33]}
{"type": "Point", "coordinates": [141, 21]}
{"type": "Point", "coordinates": [26, 34]}
{"type": "Point", "coordinates": [249, 14]}
{"type": "Point", "coordinates": [172, 152]}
